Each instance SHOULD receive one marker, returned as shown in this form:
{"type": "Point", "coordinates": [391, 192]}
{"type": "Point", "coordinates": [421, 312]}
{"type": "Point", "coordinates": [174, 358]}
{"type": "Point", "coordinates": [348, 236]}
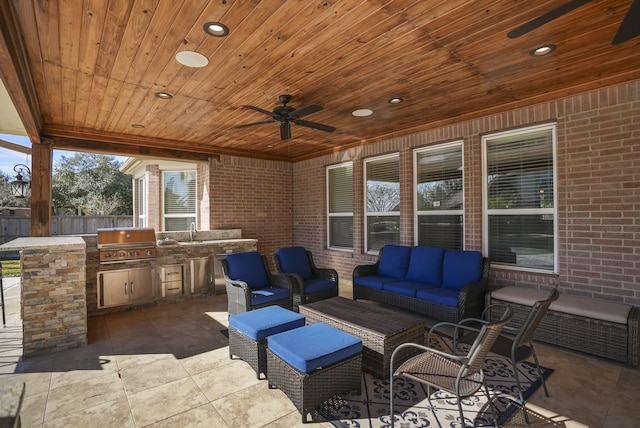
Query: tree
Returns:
{"type": "Point", "coordinates": [92, 184]}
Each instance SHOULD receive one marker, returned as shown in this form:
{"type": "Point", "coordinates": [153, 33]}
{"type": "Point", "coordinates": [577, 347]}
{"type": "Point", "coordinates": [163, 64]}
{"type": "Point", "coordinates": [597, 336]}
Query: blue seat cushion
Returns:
{"type": "Point", "coordinates": [394, 261]}
{"type": "Point", "coordinates": [374, 281]}
{"type": "Point", "coordinates": [295, 260]}
{"type": "Point", "coordinates": [406, 288]}
{"type": "Point", "coordinates": [442, 296]}
{"type": "Point", "coordinates": [317, 285]}
{"type": "Point", "coordinates": [461, 268]}
{"type": "Point", "coordinates": [268, 294]}
{"type": "Point", "coordinates": [263, 322]}
{"type": "Point", "coordinates": [248, 267]}
{"type": "Point", "coordinates": [426, 265]}
{"type": "Point", "coordinates": [314, 346]}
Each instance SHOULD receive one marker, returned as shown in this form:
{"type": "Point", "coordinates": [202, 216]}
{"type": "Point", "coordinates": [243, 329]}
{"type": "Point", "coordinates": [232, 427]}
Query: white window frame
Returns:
{"type": "Point", "coordinates": [141, 184]}
{"type": "Point", "coordinates": [521, 211]}
{"type": "Point", "coordinates": [165, 216]}
{"type": "Point", "coordinates": [331, 215]}
{"type": "Point", "coordinates": [418, 213]}
{"type": "Point", "coordinates": [368, 214]}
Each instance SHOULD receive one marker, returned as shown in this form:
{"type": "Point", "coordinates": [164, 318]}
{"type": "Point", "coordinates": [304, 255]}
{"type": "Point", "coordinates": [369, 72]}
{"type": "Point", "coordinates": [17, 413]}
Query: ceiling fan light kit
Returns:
{"type": "Point", "coordinates": [286, 114]}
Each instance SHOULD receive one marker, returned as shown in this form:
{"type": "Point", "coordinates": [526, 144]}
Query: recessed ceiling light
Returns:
{"type": "Point", "coordinates": [362, 112]}
{"type": "Point", "coordinates": [192, 59]}
{"type": "Point", "coordinates": [395, 100]}
{"type": "Point", "coordinates": [137, 125]}
{"type": "Point", "coordinates": [215, 29]}
{"type": "Point", "coordinates": [163, 95]}
{"type": "Point", "coordinates": [543, 50]}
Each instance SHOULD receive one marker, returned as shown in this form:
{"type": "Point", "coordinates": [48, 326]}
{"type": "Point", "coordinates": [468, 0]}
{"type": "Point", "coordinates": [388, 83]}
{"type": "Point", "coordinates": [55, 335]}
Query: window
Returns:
{"type": "Point", "coordinates": [439, 196]}
{"type": "Point", "coordinates": [382, 193]}
{"type": "Point", "coordinates": [142, 202]}
{"type": "Point", "coordinates": [520, 198]}
{"type": "Point", "coordinates": [179, 199]}
{"type": "Point", "coordinates": [340, 206]}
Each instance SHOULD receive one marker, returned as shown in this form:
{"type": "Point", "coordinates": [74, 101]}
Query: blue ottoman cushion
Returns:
{"type": "Point", "coordinates": [314, 346]}
{"type": "Point", "coordinates": [263, 322]}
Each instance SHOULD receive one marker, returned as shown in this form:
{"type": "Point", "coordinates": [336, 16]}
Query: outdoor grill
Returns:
{"type": "Point", "coordinates": [118, 245]}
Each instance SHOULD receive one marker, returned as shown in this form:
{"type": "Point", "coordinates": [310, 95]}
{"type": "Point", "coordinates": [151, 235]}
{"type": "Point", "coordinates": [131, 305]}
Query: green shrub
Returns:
{"type": "Point", "coordinates": [10, 267]}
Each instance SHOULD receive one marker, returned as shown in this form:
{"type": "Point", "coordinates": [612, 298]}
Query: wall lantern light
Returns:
{"type": "Point", "coordinates": [19, 186]}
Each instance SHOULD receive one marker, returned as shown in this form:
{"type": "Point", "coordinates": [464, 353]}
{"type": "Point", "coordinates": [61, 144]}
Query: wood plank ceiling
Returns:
{"type": "Point", "coordinates": [95, 66]}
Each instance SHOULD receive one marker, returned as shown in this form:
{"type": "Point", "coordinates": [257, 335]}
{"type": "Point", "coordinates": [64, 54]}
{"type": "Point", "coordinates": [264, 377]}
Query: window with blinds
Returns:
{"type": "Point", "coordinates": [439, 196]}
{"type": "Point", "coordinates": [340, 206]}
{"type": "Point", "coordinates": [179, 199]}
{"type": "Point", "coordinates": [142, 202]}
{"type": "Point", "coordinates": [520, 199]}
{"type": "Point", "coordinates": [382, 202]}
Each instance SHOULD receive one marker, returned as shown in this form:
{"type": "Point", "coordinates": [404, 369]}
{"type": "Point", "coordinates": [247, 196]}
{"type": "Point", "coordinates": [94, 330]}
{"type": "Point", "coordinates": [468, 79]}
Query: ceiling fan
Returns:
{"type": "Point", "coordinates": [629, 28]}
{"type": "Point", "coordinates": [286, 114]}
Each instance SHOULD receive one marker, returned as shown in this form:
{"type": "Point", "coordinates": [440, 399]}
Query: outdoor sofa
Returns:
{"type": "Point", "coordinates": [447, 285]}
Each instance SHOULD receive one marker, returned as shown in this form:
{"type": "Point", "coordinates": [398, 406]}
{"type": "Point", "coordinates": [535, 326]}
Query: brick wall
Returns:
{"type": "Point", "coordinates": [255, 196]}
{"type": "Point", "coordinates": [598, 192]}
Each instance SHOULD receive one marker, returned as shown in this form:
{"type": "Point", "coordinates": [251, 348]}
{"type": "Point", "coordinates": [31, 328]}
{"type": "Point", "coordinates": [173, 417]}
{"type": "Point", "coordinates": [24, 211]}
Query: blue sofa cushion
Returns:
{"type": "Point", "coordinates": [406, 288]}
{"type": "Point", "coordinates": [268, 294]}
{"type": "Point", "coordinates": [263, 322]}
{"type": "Point", "coordinates": [374, 281]}
{"type": "Point", "coordinates": [426, 265]}
{"type": "Point", "coordinates": [317, 285]}
{"type": "Point", "coordinates": [295, 260]}
{"type": "Point", "coordinates": [248, 267]}
{"type": "Point", "coordinates": [442, 296]}
{"type": "Point", "coordinates": [394, 261]}
{"type": "Point", "coordinates": [314, 346]}
{"type": "Point", "coordinates": [460, 268]}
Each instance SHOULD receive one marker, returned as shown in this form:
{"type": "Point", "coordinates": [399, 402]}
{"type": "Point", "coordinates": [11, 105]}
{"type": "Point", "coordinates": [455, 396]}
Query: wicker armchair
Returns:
{"type": "Point", "coordinates": [250, 285]}
{"type": "Point", "coordinates": [312, 283]}
{"type": "Point", "coordinates": [461, 375]}
{"type": "Point", "coordinates": [518, 346]}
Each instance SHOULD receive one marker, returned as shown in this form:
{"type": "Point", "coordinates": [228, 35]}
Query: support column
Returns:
{"type": "Point", "coordinates": [41, 172]}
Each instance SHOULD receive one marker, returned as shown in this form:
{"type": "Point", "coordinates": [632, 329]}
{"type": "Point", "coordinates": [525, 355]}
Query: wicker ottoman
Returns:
{"type": "Point", "coordinates": [248, 332]}
{"type": "Point", "coordinates": [312, 364]}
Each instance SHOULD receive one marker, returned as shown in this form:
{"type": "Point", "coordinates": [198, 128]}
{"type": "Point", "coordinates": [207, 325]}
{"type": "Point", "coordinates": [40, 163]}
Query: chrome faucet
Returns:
{"type": "Point", "coordinates": [192, 230]}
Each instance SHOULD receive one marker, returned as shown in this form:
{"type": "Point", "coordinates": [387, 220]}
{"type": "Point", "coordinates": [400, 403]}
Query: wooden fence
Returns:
{"type": "Point", "coordinates": [17, 226]}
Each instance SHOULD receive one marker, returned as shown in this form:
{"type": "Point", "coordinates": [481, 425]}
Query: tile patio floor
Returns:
{"type": "Point", "coordinates": [168, 366]}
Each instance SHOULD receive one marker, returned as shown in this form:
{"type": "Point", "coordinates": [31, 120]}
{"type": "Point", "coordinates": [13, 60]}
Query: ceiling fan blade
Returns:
{"type": "Point", "coordinates": [258, 109]}
{"type": "Point", "coordinates": [630, 26]}
{"type": "Point", "coordinates": [254, 124]}
{"type": "Point", "coordinates": [285, 130]}
{"type": "Point", "coordinates": [313, 108]}
{"type": "Point", "coordinates": [314, 125]}
{"type": "Point", "coordinates": [546, 18]}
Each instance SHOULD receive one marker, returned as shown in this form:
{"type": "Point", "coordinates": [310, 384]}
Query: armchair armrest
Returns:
{"type": "Point", "coordinates": [322, 273]}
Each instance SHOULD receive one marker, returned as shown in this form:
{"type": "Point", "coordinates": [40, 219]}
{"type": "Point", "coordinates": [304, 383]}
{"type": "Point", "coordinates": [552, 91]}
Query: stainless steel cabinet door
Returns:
{"type": "Point", "coordinates": [113, 288]}
{"type": "Point", "coordinates": [140, 284]}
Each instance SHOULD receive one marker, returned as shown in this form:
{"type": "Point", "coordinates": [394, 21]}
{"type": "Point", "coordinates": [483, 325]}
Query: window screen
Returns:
{"type": "Point", "coordinates": [179, 199]}
{"type": "Point", "coordinates": [382, 187]}
{"type": "Point", "coordinates": [340, 206]}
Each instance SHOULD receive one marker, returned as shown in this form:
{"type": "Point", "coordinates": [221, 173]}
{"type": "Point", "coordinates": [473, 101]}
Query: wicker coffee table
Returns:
{"type": "Point", "coordinates": [380, 329]}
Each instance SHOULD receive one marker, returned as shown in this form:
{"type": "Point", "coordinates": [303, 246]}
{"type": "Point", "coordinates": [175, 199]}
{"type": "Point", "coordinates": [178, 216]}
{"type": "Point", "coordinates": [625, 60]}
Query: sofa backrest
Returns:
{"type": "Point", "coordinates": [426, 265]}
{"type": "Point", "coordinates": [248, 267]}
{"type": "Point", "coordinates": [295, 260]}
{"type": "Point", "coordinates": [460, 268]}
{"type": "Point", "coordinates": [394, 261]}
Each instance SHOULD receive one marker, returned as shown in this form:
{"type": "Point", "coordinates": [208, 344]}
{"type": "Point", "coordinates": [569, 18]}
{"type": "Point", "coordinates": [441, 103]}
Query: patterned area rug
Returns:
{"type": "Point", "coordinates": [414, 408]}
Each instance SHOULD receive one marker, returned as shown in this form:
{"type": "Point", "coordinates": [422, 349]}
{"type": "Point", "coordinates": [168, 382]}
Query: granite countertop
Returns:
{"type": "Point", "coordinates": [43, 242]}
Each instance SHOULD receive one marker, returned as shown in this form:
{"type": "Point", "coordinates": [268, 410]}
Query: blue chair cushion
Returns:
{"type": "Point", "coordinates": [442, 296]}
{"type": "Point", "coordinates": [295, 260]}
{"type": "Point", "coordinates": [317, 285]}
{"type": "Point", "coordinates": [263, 322]}
{"type": "Point", "coordinates": [269, 294]}
{"type": "Point", "coordinates": [406, 288]}
{"type": "Point", "coordinates": [374, 281]}
{"type": "Point", "coordinates": [461, 268]}
{"type": "Point", "coordinates": [394, 261]}
{"type": "Point", "coordinates": [426, 265]}
{"type": "Point", "coordinates": [248, 267]}
{"type": "Point", "coordinates": [314, 346]}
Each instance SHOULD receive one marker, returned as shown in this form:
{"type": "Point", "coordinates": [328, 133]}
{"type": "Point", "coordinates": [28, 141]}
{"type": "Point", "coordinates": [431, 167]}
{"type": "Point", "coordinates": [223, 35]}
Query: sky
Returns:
{"type": "Point", "coordinates": [10, 158]}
